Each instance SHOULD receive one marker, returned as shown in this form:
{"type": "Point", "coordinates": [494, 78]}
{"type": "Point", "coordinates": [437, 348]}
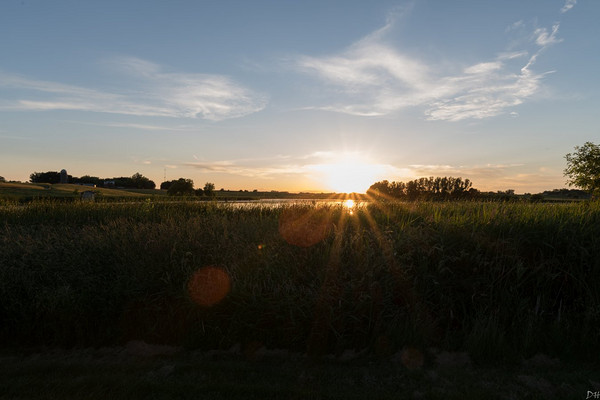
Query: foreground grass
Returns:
{"type": "Point", "coordinates": [501, 282]}
{"type": "Point", "coordinates": [121, 373]}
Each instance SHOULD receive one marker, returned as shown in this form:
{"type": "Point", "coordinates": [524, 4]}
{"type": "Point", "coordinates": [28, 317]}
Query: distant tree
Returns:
{"type": "Point", "coordinates": [2, 179]}
{"type": "Point", "coordinates": [88, 179]}
{"type": "Point", "coordinates": [139, 181]}
{"type": "Point", "coordinates": [199, 192]}
{"type": "Point", "coordinates": [45, 177]}
{"type": "Point", "coordinates": [209, 189]}
{"type": "Point", "coordinates": [380, 189]}
{"type": "Point", "coordinates": [136, 181]}
{"type": "Point", "coordinates": [536, 198]}
{"type": "Point", "coordinates": [583, 168]}
{"type": "Point", "coordinates": [181, 187]}
{"type": "Point", "coordinates": [431, 188]}
{"type": "Point", "coordinates": [167, 184]}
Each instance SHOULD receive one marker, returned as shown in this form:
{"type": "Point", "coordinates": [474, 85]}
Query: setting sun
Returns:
{"type": "Point", "coordinates": [350, 172]}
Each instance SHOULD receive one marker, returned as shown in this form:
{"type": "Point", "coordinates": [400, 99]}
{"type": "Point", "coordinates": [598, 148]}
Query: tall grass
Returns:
{"type": "Point", "coordinates": [500, 280]}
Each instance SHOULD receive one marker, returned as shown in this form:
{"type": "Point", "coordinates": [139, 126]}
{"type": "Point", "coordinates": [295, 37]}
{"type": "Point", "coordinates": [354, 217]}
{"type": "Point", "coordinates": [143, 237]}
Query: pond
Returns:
{"type": "Point", "coordinates": [347, 203]}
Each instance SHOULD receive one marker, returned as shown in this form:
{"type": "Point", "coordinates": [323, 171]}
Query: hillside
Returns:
{"type": "Point", "coordinates": [29, 191]}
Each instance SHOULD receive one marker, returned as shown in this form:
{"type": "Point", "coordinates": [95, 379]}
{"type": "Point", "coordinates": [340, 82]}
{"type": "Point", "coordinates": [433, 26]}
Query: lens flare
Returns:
{"type": "Point", "coordinates": [208, 286]}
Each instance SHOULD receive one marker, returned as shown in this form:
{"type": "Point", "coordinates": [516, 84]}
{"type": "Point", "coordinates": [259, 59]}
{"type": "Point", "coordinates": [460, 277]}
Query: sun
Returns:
{"type": "Point", "coordinates": [349, 172]}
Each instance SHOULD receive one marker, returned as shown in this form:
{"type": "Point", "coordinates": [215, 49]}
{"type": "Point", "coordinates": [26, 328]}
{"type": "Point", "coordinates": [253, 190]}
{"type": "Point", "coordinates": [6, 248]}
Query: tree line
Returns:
{"type": "Point", "coordinates": [185, 187]}
{"type": "Point", "coordinates": [136, 181]}
{"type": "Point", "coordinates": [438, 188]}
{"type": "Point", "coordinates": [176, 187]}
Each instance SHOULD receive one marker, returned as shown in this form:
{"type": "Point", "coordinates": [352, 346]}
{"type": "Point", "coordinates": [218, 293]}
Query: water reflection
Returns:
{"type": "Point", "coordinates": [274, 203]}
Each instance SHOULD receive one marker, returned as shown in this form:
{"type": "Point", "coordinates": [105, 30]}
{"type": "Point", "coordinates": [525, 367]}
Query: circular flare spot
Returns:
{"type": "Point", "coordinates": [304, 227]}
{"type": "Point", "coordinates": [208, 286]}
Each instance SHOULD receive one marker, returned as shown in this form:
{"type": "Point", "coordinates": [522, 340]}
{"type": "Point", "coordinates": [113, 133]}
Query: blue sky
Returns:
{"type": "Point", "coordinates": [299, 96]}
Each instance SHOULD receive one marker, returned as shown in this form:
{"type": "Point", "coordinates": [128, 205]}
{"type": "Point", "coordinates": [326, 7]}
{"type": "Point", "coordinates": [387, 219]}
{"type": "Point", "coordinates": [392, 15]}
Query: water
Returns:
{"type": "Point", "coordinates": [274, 203]}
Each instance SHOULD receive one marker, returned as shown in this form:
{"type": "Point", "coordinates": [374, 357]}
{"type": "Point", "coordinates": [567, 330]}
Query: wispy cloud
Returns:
{"type": "Point", "coordinates": [249, 171]}
{"type": "Point", "coordinates": [377, 79]}
{"type": "Point", "coordinates": [146, 127]}
{"type": "Point", "coordinates": [13, 137]}
{"type": "Point", "coordinates": [153, 92]}
{"type": "Point", "coordinates": [543, 38]}
{"type": "Point", "coordinates": [308, 165]}
{"type": "Point", "coordinates": [514, 26]}
{"type": "Point", "coordinates": [568, 5]}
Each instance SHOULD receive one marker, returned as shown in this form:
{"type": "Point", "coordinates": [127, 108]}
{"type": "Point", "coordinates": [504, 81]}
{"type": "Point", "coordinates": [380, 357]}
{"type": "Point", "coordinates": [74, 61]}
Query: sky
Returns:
{"type": "Point", "coordinates": [299, 95]}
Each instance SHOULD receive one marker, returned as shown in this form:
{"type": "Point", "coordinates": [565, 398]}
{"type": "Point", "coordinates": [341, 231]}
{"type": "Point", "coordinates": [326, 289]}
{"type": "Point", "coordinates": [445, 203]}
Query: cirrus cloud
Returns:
{"type": "Point", "coordinates": [375, 79]}
{"type": "Point", "coordinates": [152, 92]}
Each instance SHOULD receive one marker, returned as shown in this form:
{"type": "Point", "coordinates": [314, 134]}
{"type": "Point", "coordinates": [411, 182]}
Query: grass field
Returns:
{"type": "Point", "coordinates": [499, 282]}
{"type": "Point", "coordinates": [27, 192]}
{"type": "Point", "coordinates": [37, 191]}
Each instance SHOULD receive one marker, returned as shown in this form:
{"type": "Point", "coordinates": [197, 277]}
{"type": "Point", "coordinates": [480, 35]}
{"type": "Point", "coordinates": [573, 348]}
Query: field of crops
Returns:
{"type": "Point", "coordinates": [501, 281]}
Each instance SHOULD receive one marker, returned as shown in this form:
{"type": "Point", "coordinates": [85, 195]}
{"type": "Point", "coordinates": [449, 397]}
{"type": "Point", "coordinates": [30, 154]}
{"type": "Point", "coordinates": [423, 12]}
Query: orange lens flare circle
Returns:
{"type": "Point", "coordinates": [209, 285]}
{"type": "Point", "coordinates": [304, 227]}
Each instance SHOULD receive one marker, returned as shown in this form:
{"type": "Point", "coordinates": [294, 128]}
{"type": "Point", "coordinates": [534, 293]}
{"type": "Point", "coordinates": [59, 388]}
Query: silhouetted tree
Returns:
{"type": "Point", "coordinates": [139, 181]}
{"type": "Point", "coordinates": [583, 168]}
{"type": "Point", "coordinates": [2, 179]}
{"type": "Point", "coordinates": [431, 188]}
{"type": "Point", "coordinates": [167, 184]}
{"type": "Point", "coordinates": [209, 189]}
{"type": "Point", "coordinates": [45, 177]}
{"type": "Point", "coordinates": [181, 187]}
{"type": "Point", "coordinates": [88, 179]}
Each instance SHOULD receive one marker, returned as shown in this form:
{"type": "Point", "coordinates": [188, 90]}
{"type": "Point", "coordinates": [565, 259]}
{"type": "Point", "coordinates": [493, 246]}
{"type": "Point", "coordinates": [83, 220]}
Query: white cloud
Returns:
{"type": "Point", "coordinates": [483, 68]}
{"type": "Point", "coordinates": [568, 5]}
{"type": "Point", "coordinates": [543, 38]}
{"type": "Point", "coordinates": [233, 168]}
{"type": "Point", "coordinates": [145, 127]}
{"type": "Point", "coordinates": [153, 93]}
{"type": "Point", "coordinates": [515, 25]}
{"type": "Point", "coordinates": [377, 79]}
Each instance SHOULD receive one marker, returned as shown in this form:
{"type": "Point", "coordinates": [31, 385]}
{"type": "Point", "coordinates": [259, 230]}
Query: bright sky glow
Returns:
{"type": "Point", "coordinates": [299, 96]}
{"type": "Point", "coordinates": [349, 173]}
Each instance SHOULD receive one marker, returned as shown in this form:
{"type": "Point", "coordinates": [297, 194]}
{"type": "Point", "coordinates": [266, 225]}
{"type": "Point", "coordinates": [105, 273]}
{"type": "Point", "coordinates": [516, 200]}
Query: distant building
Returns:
{"type": "Point", "coordinates": [64, 178]}
{"type": "Point", "coordinates": [109, 183]}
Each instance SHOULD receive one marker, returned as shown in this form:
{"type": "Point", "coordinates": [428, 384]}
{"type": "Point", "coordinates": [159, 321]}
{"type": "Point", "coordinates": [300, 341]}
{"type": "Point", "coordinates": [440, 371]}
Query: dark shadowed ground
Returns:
{"type": "Point", "coordinates": [142, 371]}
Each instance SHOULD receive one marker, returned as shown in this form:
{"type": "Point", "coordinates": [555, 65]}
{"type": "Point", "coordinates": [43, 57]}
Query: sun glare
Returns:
{"type": "Point", "coordinates": [349, 173]}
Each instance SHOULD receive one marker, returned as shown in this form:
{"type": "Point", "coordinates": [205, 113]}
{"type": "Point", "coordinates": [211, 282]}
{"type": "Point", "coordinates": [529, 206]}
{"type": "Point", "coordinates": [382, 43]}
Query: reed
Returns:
{"type": "Point", "coordinates": [501, 280]}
